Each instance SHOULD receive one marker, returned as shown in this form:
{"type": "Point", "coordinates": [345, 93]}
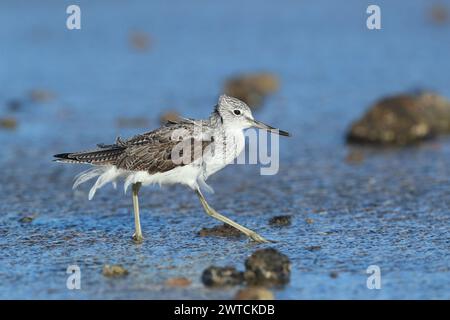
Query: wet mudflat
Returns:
{"type": "Point", "coordinates": [350, 207]}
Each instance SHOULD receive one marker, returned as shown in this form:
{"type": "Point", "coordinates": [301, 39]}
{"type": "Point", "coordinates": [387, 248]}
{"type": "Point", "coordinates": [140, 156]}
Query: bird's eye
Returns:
{"type": "Point", "coordinates": [237, 112]}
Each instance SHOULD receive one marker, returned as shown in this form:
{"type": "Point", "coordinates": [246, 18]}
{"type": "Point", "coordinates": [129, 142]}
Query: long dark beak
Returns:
{"type": "Point", "coordinates": [261, 125]}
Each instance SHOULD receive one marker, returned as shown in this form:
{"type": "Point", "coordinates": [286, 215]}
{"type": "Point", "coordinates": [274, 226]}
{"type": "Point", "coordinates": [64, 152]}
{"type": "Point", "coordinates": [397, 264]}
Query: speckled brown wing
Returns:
{"type": "Point", "coordinates": [152, 151]}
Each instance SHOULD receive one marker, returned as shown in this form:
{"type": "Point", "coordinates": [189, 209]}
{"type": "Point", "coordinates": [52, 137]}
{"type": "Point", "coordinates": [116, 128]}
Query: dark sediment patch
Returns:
{"type": "Point", "coordinates": [224, 230]}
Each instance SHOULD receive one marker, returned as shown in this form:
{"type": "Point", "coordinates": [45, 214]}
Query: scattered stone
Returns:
{"type": "Point", "coordinates": [41, 95]}
{"type": "Point", "coordinates": [114, 271]}
{"type": "Point", "coordinates": [309, 221]}
{"type": "Point", "coordinates": [14, 105]}
{"type": "Point", "coordinates": [254, 293]}
{"type": "Point", "coordinates": [280, 221]}
{"type": "Point", "coordinates": [252, 88]}
{"type": "Point", "coordinates": [27, 219]}
{"type": "Point", "coordinates": [313, 248]}
{"type": "Point", "coordinates": [138, 122]}
{"type": "Point", "coordinates": [178, 282]}
{"type": "Point", "coordinates": [439, 14]}
{"type": "Point", "coordinates": [223, 230]}
{"type": "Point", "coordinates": [267, 267]}
{"type": "Point", "coordinates": [8, 123]}
{"type": "Point", "coordinates": [169, 116]}
{"type": "Point", "coordinates": [334, 274]}
{"type": "Point", "coordinates": [402, 120]}
{"type": "Point", "coordinates": [140, 41]}
{"type": "Point", "coordinates": [222, 276]}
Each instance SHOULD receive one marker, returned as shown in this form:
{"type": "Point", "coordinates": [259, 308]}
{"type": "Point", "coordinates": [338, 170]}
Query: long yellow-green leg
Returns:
{"type": "Point", "coordinates": [213, 213]}
{"type": "Point", "coordinates": [137, 236]}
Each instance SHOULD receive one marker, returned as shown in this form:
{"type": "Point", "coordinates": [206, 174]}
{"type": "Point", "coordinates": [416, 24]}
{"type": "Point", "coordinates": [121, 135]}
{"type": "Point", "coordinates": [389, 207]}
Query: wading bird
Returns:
{"type": "Point", "coordinates": [186, 152]}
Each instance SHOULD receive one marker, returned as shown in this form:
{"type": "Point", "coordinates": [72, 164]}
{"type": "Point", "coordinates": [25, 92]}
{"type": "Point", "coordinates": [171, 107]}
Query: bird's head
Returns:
{"type": "Point", "coordinates": [236, 114]}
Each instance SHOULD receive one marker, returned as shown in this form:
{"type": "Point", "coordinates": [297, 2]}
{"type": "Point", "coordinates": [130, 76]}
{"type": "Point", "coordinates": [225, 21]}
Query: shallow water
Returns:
{"type": "Point", "coordinates": [391, 210]}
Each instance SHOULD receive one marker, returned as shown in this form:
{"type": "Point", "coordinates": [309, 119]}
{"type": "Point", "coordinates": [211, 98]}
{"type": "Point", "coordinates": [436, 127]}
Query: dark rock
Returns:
{"type": "Point", "coordinates": [252, 88]}
{"type": "Point", "coordinates": [222, 276]}
{"type": "Point", "coordinates": [8, 123]}
{"type": "Point", "coordinates": [402, 120]}
{"type": "Point", "coordinates": [254, 293]}
{"type": "Point", "coordinates": [267, 267]}
{"type": "Point", "coordinates": [281, 221]}
{"type": "Point", "coordinates": [309, 221]}
{"type": "Point", "coordinates": [223, 230]}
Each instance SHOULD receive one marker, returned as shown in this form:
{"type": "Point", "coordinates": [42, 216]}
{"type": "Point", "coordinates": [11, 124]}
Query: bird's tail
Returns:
{"type": "Point", "coordinates": [97, 157]}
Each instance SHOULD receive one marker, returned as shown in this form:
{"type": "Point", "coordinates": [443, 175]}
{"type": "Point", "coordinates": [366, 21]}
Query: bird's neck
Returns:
{"type": "Point", "coordinates": [215, 118]}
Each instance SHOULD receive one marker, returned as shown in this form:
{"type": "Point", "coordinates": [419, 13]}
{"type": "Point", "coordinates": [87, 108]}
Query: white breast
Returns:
{"type": "Point", "coordinates": [227, 147]}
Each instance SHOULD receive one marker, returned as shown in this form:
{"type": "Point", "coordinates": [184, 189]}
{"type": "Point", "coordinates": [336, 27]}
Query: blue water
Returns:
{"type": "Point", "coordinates": [391, 210]}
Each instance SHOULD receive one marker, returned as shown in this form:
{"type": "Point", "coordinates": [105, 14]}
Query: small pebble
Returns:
{"type": "Point", "coordinates": [178, 282]}
{"type": "Point", "coordinates": [8, 123]}
{"type": "Point", "coordinates": [140, 41]}
{"type": "Point", "coordinates": [222, 276]}
{"type": "Point", "coordinates": [41, 95]}
{"type": "Point", "coordinates": [27, 219]}
{"type": "Point", "coordinates": [114, 271]}
{"type": "Point", "coordinates": [254, 293]}
{"type": "Point", "coordinates": [309, 221]}
{"type": "Point", "coordinates": [167, 116]}
{"type": "Point", "coordinates": [281, 221]}
{"type": "Point", "coordinates": [313, 248]}
{"type": "Point", "coordinates": [334, 274]}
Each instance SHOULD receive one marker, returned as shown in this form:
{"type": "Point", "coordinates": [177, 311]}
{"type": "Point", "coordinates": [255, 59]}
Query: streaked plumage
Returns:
{"type": "Point", "coordinates": [205, 146]}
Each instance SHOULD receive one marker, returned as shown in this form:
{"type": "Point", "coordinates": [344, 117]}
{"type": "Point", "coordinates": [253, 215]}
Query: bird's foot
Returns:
{"type": "Point", "coordinates": [256, 237]}
{"type": "Point", "coordinates": [137, 238]}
